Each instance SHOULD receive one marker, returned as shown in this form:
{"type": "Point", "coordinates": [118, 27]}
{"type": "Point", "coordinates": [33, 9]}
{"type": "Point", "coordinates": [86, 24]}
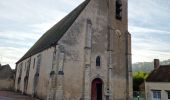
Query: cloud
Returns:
{"type": "Point", "coordinates": [24, 21]}
{"type": "Point", "coordinates": [149, 13]}
{"type": "Point", "coordinates": [72, 2]}
{"type": "Point", "coordinates": [10, 55]}
{"type": "Point", "coordinates": [136, 29]}
{"type": "Point", "coordinates": [19, 35]}
{"type": "Point", "coordinates": [45, 26]}
{"type": "Point", "coordinates": [31, 11]}
{"type": "Point", "coordinates": [148, 44]}
{"type": "Point", "coordinates": [148, 24]}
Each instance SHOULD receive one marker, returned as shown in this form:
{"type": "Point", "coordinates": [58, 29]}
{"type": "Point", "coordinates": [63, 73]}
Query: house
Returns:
{"type": "Point", "coordinates": [85, 56]}
{"type": "Point", "coordinates": [6, 77]}
{"type": "Point", "coordinates": [157, 85]}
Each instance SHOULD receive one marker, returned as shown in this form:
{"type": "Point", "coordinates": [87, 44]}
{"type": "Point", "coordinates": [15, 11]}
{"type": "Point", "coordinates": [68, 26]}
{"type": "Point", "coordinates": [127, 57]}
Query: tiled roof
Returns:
{"type": "Point", "coordinates": [162, 74]}
{"type": "Point", "coordinates": [53, 35]}
{"type": "Point", "coordinates": [6, 72]}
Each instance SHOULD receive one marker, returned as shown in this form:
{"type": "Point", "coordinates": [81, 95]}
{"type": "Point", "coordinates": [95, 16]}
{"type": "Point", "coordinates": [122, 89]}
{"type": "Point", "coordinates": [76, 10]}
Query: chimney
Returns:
{"type": "Point", "coordinates": [156, 63]}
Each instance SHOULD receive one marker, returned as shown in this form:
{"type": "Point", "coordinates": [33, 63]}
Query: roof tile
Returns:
{"type": "Point", "coordinates": [162, 74]}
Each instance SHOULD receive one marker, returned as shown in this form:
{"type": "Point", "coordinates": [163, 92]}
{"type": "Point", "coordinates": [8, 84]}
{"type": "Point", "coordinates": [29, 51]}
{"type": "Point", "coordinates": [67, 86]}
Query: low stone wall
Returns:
{"type": "Point", "coordinates": [7, 84]}
{"type": "Point", "coordinates": [6, 77]}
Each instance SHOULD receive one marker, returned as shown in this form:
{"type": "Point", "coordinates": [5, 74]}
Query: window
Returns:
{"type": "Point", "coordinates": [28, 65]}
{"type": "Point", "coordinates": [38, 63]}
{"type": "Point", "coordinates": [25, 66]}
{"type": "Point", "coordinates": [118, 9]}
{"type": "Point", "coordinates": [34, 63]}
{"type": "Point", "coordinates": [89, 33]}
{"type": "Point", "coordinates": [61, 63]}
{"type": "Point", "coordinates": [98, 61]}
{"type": "Point", "coordinates": [20, 69]}
{"type": "Point", "coordinates": [54, 54]}
{"type": "Point", "coordinates": [156, 95]}
{"type": "Point", "coordinates": [168, 95]}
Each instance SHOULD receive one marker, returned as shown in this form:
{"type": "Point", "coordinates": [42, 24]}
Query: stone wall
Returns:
{"type": "Point", "coordinates": [6, 78]}
{"type": "Point", "coordinates": [68, 68]}
{"type": "Point", "coordinates": [163, 87]}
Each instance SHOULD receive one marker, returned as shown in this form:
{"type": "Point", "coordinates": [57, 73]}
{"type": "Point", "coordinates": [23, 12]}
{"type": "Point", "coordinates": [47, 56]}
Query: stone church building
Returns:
{"type": "Point", "coordinates": [85, 56]}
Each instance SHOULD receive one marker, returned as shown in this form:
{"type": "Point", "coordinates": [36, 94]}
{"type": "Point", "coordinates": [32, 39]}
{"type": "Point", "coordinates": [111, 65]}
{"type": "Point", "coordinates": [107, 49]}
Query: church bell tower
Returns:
{"type": "Point", "coordinates": [109, 43]}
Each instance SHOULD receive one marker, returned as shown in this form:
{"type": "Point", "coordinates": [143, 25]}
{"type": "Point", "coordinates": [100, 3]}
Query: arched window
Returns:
{"type": "Point", "coordinates": [98, 61]}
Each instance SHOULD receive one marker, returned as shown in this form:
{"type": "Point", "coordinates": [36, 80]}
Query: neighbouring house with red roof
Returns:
{"type": "Point", "coordinates": [157, 84]}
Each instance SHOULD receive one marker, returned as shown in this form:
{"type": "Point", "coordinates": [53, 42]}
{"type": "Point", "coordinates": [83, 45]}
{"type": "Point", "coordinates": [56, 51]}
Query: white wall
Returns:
{"type": "Point", "coordinates": [163, 86]}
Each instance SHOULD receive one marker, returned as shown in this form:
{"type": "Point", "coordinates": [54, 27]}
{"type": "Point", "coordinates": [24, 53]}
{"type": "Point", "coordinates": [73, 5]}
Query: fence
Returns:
{"type": "Point", "coordinates": [139, 95]}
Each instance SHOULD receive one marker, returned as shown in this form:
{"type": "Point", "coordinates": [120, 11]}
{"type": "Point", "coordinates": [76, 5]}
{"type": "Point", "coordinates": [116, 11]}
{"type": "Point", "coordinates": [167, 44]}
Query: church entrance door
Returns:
{"type": "Point", "coordinates": [96, 89]}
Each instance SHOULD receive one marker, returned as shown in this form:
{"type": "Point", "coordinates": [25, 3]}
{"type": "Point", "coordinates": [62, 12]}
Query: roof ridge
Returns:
{"type": "Point", "coordinates": [55, 33]}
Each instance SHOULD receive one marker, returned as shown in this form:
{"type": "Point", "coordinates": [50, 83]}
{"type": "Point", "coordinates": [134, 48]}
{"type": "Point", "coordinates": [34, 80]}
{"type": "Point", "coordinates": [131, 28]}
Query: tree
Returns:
{"type": "Point", "coordinates": [138, 79]}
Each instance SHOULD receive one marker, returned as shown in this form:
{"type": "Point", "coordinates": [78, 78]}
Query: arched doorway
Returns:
{"type": "Point", "coordinates": [25, 84]}
{"type": "Point", "coordinates": [97, 89]}
{"type": "Point", "coordinates": [35, 85]}
{"type": "Point", "coordinates": [18, 85]}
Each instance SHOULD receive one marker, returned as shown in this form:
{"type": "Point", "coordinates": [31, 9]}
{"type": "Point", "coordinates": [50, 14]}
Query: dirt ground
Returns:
{"type": "Point", "coordinates": [8, 95]}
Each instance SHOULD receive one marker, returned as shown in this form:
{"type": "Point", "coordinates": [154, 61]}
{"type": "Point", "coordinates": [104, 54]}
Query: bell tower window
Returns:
{"type": "Point", "coordinates": [118, 9]}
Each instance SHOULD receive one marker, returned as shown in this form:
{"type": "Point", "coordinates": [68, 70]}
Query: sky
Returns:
{"type": "Point", "coordinates": [23, 22]}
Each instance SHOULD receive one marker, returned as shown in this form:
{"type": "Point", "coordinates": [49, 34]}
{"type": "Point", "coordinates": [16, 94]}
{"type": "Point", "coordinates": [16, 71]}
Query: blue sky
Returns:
{"type": "Point", "coordinates": [24, 21]}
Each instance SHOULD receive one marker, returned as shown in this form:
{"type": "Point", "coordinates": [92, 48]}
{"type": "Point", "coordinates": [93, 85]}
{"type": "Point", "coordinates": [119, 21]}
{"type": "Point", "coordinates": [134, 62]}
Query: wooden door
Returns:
{"type": "Point", "coordinates": [96, 89]}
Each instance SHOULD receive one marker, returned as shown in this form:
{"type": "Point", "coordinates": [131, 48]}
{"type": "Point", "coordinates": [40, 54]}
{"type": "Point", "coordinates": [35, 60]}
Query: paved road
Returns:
{"type": "Point", "coordinates": [8, 95]}
{"type": "Point", "coordinates": [5, 98]}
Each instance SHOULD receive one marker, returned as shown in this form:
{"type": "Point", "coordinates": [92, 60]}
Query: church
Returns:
{"type": "Point", "coordinates": [85, 56]}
